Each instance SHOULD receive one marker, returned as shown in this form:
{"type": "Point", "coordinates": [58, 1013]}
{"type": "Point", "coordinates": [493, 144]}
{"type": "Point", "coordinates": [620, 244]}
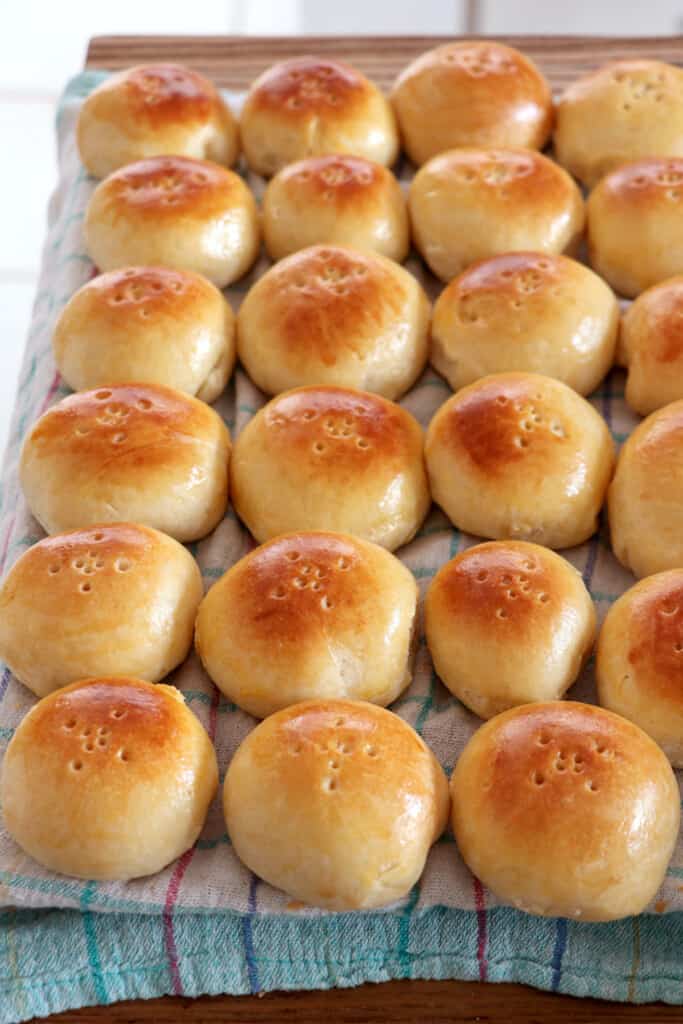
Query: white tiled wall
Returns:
{"type": "Point", "coordinates": [42, 43]}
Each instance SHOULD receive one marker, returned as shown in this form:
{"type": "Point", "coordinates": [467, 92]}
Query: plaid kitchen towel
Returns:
{"type": "Point", "coordinates": [206, 924]}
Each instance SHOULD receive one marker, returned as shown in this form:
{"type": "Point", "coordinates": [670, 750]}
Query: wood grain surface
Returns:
{"type": "Point", "coordinates": [233, 63]}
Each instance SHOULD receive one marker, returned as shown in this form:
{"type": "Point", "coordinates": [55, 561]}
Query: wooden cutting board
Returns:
{"type": "Point", "coordinates": [233, 62]}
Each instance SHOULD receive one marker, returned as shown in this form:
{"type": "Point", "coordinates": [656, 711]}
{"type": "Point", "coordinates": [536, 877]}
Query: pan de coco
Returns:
{"type": "Point", "coordinates": [635, 222]}
{"type": "Point", "coordinates": [335, 199]}
{"type": "Point", "coordinates": [468, 204]}
{"type": "Point", "coordinates": [115, 598]}
{"type": "Point", "coordinates": [152, 110]}
{"type": "Point", "coordinates": [337, 802]}
{"type": "Point", "coordinates": [334, 315]}
{"type": "Point", "coordinates": [508, 623]}
{"type": "Point", "coordinates": [652, 347]}
{"type": "Point", "coordinates": [183, 213]}
{"type": "Point", "coordinates": [308, 106]}
{"type": "Point", "coordinates": [148, 324]}
{"type": "Point", "coordinates": [623, 111]}
{"type": "Point", "coordinates": [520, 455]}
{"type": "Point", "coordinates": [528, 311]}
{"type": "Point", "coordinates": [138, 452]}
{"type": "Point", "coordinates": [310, 615]}
{"type": "Point", "coordinates": [109, 778]}
{"type": "Point", "coordinates": [566, 810]}
{"type": "Point", "coordinates": [473, 93]}
{"type": "Point", "coordinates": [331, 459]}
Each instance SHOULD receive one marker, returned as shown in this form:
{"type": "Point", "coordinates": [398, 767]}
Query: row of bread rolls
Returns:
{"type": "Point", "coordinates": [474, 93]}
{"type": "Point", "coordinates": [464, 205]}
{"type": "Point", "coordinates": [332, 315]}
{"type": "Point", "coordinates": [345, 778]}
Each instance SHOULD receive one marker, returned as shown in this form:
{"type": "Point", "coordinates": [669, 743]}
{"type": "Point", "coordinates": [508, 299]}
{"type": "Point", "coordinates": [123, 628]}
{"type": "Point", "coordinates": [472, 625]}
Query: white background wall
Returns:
{"type": "Point", "coordinates": [43, 42]}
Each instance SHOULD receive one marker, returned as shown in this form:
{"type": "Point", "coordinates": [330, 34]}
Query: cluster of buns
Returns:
{"type": "Point", "coordinates": [332, 797]}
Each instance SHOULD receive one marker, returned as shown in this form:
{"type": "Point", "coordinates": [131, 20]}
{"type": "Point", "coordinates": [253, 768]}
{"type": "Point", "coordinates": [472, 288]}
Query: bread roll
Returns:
{"type": "Point", "coordinates": [148, 324]}
{"type": "Point", "coordinates": [343, 200]}
{"type": "Point", "coordinates": [645, 499]}
{"type": "Point", "coordinates": [469, 204]}
{"type": "Point", "coordinates": [136, 452]}
{"type": "Point", "coordinates": [652, 347]}
{"type": "Point", "coordinates": [331, 459]}
{"type": "Point", "coordinates": [118, 599]}
{"type": "Point", "coordinates": [526, 311]}
{"type": "Point", "coordinates": [109, 778]}
{"type": "Point", "coordinates": [623, 111]}
{"type": "Point", "coordinates": [639, 664]}
{"type": "Point", "coordinates": [183, 213]}
{"type": "Point", "coordinates": [566, 810]}
{"type": "Point", "coordinates": [309, 106]}
{"type": "Point", "coordinates": [152, 110]}
{"type": "Point", "coordinates": [472, 93]}
{"type": "Point", "coordinates": [508, 623]}
{"type": "Point", "coordinates": [309, 615]}
{"type": "Point", "coordinates": [337, 802]}
{"type": "Point", "coordinates": [523, 456]}
{"type": "Point", "coordinates": [334, 315]}
{"type": "Point", "coordinates": [635, 221]}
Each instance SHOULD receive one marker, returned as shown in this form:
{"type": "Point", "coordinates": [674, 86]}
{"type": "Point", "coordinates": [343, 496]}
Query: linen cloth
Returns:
{"type": "Point", "coordinates": [206, 924]}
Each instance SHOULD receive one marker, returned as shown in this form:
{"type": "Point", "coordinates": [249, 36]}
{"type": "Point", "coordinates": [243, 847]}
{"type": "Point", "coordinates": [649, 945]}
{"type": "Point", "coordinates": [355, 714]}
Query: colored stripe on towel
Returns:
{"type": "Point", "coordinates": [558, 952]}
{"type": "Point", "coordinates": [248, 938]}
{"type": "Point", "coordinates": [482, 929]}
{"type": "Point", "coordinates": [91, 944]}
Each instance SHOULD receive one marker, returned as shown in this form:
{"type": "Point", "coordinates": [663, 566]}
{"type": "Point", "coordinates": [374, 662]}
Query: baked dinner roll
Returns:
{"type": "Point", "coordinates": [508, 623]}
{"type": "Point", "coordinates": [148, 324]}
{"type": "Point", "coordinates": [623, 111]}
{"type": "Point", "coordinates": [138, 452]}
{"type": "Point", "coordinates": [566, 810]}
{"type": "Point", "coordinates": [469, 204]}
{"type": "Point", "coordinates": [520, 455]}
{"type": "Point", "coordinates": [335, 199]}
{"type": "Point", "coordinates": [526, 311]}
{"type": "Point", "coordinates": [473, 93]}
{"type": "Point", "coordinates": [310, 615]}
{"type": "Point", "coordinates": [635, 221]}
{"type": "Point", "coordinates": [645, 499]}
{"type": "Point", "coordinates": [336, 802]}
{"type": "Point", "coordinates": [152, 110]}
{"type": "Point", "coordinates": [109, 778]}
{"type": "Point", "coordinates": [309, 106]}
{"type": "Point", "coordinates": [334, 315]}
{"type": "Point", "coordinates": [119, 599]}
{"type": "Point", "coordinates": [639, 664]}
{"type": "Point", "coordinates": [331, 459]}
{"type": "Point", "coordinates": [651, 342]}
{"type": "Point", "coordinates": [184, 213]}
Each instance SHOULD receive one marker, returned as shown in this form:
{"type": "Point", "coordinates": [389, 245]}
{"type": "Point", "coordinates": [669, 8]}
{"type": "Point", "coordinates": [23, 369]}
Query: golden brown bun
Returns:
{"type": "Point", "coordinates": [623, 111]}
{"type": "Point", "coordinates": [336, 802]}
{"type": "Point", "coordinates": [331, 459]}
{"type": "Point", "coordinates": [307, 615]}
{"type": "Point", "coordinates": [508, 623]}
{"type": "Point", "coordinates": [183, 213]}
{"type": "Point", "coordinates": [520, 455]}
{"type": "Point", "coordinates": [334, 315]}
{"type": "Point", "coordinates": [645, 499]}
{"type": "Point", "coordinates": [137, 452]}
{"type": "Point", "coordinates": [651, 343]}
{"type": "Point", "coordinates": [474, 93]}
{"type": "Point", "coordinates": [109, 778]}
{"type": "Point", "coordinates": [337, 199]}
{"type": "Point", "coordinates": [639, 665]}
{"type": "Point", "coordinates": [310, 106]}
{"type": "Point", "coordinates": [526, 311]}
{"type": "Point", "coordinates": [635, 221]}
{"type": "Point", "coordinates": [152, 110]}
{"type": "Point", "coordinates": [566, 810]}
{"type": "Point", "coordinates": [118, 599]}
{"type": "Point", "coordinates": [469, 204]}
{"type": "Point", "coordinates": [148, 324]}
